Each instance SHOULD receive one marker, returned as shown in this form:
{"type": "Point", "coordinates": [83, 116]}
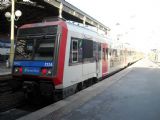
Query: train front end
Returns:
{"type": "Point", "coordinates": [36, 59]}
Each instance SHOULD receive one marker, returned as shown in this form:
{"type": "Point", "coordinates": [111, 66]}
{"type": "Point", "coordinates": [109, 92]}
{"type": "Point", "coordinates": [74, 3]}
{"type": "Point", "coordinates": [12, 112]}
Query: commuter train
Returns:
{"type": "Point", "coordinates": [59, 58]}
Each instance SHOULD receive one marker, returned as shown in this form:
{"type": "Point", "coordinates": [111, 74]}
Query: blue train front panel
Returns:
{"type": "Point", "coordinates": [36, 51]}
{"type": "Point", "coordinates": [35, 68]}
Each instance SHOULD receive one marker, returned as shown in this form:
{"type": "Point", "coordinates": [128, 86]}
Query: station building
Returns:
{"type": "Point", "coordinates": [39, 10]}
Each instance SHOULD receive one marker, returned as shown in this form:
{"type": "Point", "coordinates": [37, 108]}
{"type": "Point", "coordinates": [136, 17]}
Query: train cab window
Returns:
{"type": "Point", "coordinates": [45, 49]}
{"type": "Point", "coordinates": [74, 51]}
{"type": "Point", "coordinates": [35, 49]}
{"type": "Point", "coordinates": [23, 50]}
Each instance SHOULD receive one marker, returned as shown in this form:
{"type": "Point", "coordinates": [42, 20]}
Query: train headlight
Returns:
{"type": "Point", "coordinates": [16, 70]}
{"type": "Point", "coordinates": [49, 72]}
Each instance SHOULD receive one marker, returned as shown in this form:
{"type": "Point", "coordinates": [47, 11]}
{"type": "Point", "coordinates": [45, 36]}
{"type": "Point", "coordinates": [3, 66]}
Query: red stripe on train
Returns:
{"type": "Point", "coordinates": [61, 54]}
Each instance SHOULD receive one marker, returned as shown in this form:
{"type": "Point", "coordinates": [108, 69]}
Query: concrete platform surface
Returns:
{"type": "Point", "coordinates": [132, 94]}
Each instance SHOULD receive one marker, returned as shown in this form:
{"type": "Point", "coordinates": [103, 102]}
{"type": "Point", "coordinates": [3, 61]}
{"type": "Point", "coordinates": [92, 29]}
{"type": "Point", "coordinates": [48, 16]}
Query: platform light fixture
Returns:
{"type": "Point", "coordinates": [17, 14]}
{"type": "Point", "coordinates": [8, 15]}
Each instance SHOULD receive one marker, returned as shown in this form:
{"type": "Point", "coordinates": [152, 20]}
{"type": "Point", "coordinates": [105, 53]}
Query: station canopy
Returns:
{"type": "Point", "coordinates": [38, 10]}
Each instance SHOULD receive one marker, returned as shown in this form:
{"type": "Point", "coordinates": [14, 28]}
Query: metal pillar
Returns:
{"type": "Point", "coordinates": [60, 10]}
{"type": "Point", "coordinates": [12, 33]}
{"type": "Point", "coordinates": [84, 20]}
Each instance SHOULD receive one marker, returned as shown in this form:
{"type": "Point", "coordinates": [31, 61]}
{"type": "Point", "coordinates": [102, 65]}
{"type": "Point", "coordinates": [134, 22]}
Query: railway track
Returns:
{"type": "Point", "coordinates": [12, 103]}
{"type": "Point", "coordinates": [20, 107]}
{"type": "Point", "coordinates": [4, 84]}
{"type": "Point", "coordinates": [8, 98]}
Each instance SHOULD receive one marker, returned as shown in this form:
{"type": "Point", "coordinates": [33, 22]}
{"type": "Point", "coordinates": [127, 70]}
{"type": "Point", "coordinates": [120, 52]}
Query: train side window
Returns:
{"type": "Point", "coordinates": [107, 53]}
{"type": "Point", "coordinates": [115, 54]}
{"type": "Point", "coordinates": [121, 52]}
{"type": "Point", "coordinates": [87, 46]}
{"type": "Point", "coordinates": [103, 54]}
{"type": "Point", "coordinates": [99, 51]}
{"type": "Point", "coordinates": [95, 51]}
{"type": "Point", "coordinates": [74, 51]}
{"type": "Point", "coordinates": [110, 52]}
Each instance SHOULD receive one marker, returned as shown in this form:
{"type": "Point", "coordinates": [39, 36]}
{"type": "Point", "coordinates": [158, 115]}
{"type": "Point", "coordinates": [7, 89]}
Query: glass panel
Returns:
{"type": "Point", "coordinates": [75, 57]}
{"type": "Point", "coordinates": [1, 44]}
{"type": "Point", "coordinates": [45, 49]}
{"type": "Point", "coordinates": [99, 51]}
{"type": "Point", "coordinates": [38, 43]}
{"type": "Point", "coordinates": [107, 53]}
{"type": "Point", "coordinates": [38, 31]}
{"type": "Point", "coordinates": [74, 45]}
{"type": "Point", "coordinates": [22, 50]}
{"type": "Point", "coordinates": [104, 56]}
{"type": "Point", "coordinates": [35, 49]}
{"type": "Point", "coordinates": [87, 49]}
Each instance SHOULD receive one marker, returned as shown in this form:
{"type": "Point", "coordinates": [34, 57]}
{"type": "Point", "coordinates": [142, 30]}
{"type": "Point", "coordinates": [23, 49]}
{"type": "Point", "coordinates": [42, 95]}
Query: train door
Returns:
{"type": "Point", "coordinates": [104, 59]}
{"type": "Point", "coordinates": [88, 66]}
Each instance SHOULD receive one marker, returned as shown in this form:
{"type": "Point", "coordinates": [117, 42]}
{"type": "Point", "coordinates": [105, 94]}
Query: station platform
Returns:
{"type": "Point", "coordinates": [132, 94]}
{"type": "Point", "coordinates": [4, 70]}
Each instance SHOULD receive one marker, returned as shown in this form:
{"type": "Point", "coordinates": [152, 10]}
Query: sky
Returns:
{"type": "Point", "coordinates": [138, 20]}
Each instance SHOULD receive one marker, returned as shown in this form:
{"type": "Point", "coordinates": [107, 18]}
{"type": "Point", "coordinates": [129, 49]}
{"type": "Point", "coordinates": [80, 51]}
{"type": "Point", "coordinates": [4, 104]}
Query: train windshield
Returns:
{"type": "Point", "coordinates": [35, 49]}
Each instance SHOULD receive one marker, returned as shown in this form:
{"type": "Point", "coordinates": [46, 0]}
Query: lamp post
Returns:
{"type": "Point", "coordinates": [12, 17]}
{"type": "Point", "coordinates": [12, 33]}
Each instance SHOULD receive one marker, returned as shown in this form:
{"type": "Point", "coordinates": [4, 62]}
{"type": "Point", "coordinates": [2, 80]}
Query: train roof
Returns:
{"type": "Point", "coordinates": [71, 25]}
{"type": "Point", "coordinates": [85, 29]}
